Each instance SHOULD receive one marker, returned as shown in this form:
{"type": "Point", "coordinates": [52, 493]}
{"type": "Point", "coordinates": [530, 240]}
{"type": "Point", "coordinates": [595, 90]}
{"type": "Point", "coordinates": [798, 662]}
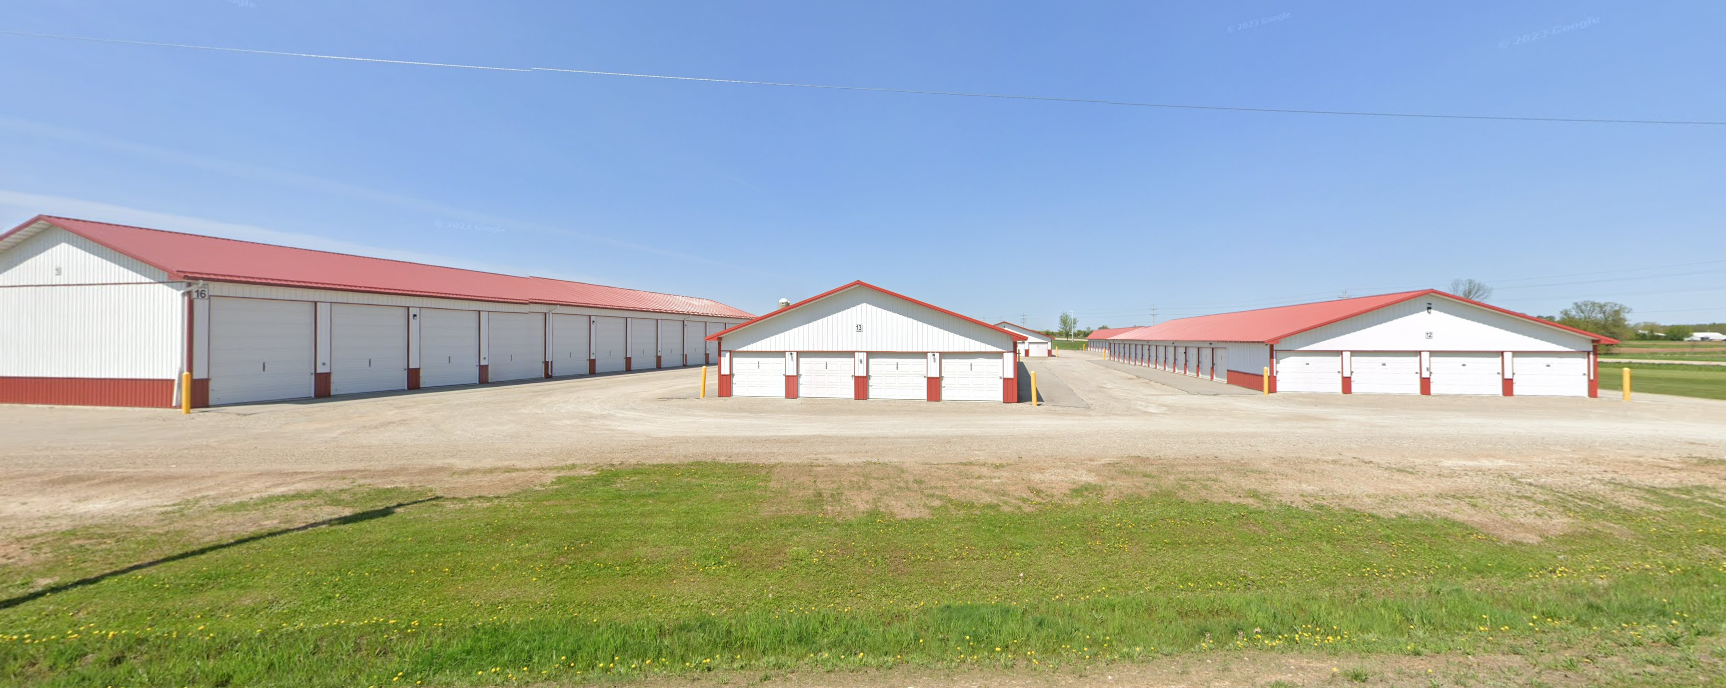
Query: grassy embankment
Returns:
{"type": "Point", "coordinates": [1707, 382]}
{"type": "Point", "coordinates": [695, 568]}
{"type": "Point", "coordinates": [1070, 345]}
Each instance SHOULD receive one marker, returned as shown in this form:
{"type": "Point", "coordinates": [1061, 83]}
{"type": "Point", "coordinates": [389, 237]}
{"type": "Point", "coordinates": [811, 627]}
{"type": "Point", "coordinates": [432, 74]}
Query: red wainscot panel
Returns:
{"type": "Point", "coordinates": [75, 391]}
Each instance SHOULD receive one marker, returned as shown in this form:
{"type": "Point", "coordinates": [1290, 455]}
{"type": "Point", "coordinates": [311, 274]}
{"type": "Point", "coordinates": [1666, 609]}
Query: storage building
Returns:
{"type": "Point", "coordinates": [1419, 342]}
{"type": "Point", "coordinates": [1035, 344]}
{"type": "Point", "coordinates": [1098, 340]}
{"type": "Point", "coordinates": [863, 342]}
{"type": "Point", "coordinates": [101, 314]}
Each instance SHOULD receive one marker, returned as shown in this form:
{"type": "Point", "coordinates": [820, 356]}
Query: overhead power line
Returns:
{"type": "Point", "coordinates": [877, 89]}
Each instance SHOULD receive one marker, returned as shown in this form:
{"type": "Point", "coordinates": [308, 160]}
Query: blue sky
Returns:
{"type": "Point", "coordinates": [995, 208]}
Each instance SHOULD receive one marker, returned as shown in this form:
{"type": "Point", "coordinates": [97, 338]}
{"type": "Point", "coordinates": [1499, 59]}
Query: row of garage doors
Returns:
{"type": "Point", "coordinates": [1211, 363]}
{"type": "Point", "coordinates": [1534, 374]}
{"type": "Point", "coordinates": [265, 350]}
{"type": "Point", "coordinates": [964, 377]}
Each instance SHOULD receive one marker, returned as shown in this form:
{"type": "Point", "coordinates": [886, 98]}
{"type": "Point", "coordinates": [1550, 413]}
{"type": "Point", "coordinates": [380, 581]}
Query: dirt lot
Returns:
{"type": "Point", "coordinates": [1506, 465]}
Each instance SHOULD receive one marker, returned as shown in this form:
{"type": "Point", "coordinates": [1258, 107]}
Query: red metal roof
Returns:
{"type": "Point", "coordinates": [1271, 325]}
{"type": "Point", "coordinates": [860, 283]}
{"type": "Point", "coordinates": [1108, 333]}
{"type": "Point", "coordinates": [1028, 332]}
{"type": "Point", "coordinates": [197, 257]}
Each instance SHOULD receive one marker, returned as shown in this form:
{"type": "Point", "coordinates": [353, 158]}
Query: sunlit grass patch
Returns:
{"type": "Point", "coordinates": [695, 568]}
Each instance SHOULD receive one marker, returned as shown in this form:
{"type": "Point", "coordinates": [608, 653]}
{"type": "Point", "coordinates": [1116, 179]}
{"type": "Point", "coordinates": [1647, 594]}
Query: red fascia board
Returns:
{"type": "Point", "coordinates": [860, 283]}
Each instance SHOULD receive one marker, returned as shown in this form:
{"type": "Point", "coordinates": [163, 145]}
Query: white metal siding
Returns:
{"type": "Point", "coordinates": [449, 347]}
{"type": "Point", "coordinates": [569, 335]}
{"type": "Point", "coordinates": [643, 343]}
{"type": "Point", "coordinates": [608, 351]}
{"type": "Point", "coordinates": [369, 349]}
{"type": "Point", "coordinates": [862, 319]}
{"type": "Point", "coordinates": [134, 330]}
{"type": "Point", "coordinates": [1467, 373]}
{"type": "Point", "coordinates": [671, 343]}
{"type": "Point", "coordinates": [757, 374]}
{"type": "Point", "coordinates": [1382, 373]}
{"type": "Point", "coordinates": [971, 377]}
{"type": "Point", "coordinates": [260, 350]}
{"type": "Point", "coordinates": [517, 349]}
{"type": "Point", "coordinates": [1551, 375]}
{"type": "Point", "coordinates": [1453, 326]}
{"type": "Point", "coordinates": [825, 375]}
{"type": "Point", "coordinates": [713, 328]}
{"type": "Point", "coordinates": [898, 376]}
{"type": "Point", "coordinates": [1309, 372]}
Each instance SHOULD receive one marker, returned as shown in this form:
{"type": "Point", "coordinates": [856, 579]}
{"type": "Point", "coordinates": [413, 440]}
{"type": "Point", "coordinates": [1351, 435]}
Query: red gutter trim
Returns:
{"type": "Point", "coordinates": [860, 283]}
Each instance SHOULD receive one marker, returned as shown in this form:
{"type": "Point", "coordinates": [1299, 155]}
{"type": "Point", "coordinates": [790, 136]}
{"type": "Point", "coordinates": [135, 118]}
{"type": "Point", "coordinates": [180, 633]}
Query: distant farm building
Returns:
{"type": "Point", "coordinates": [1036, 343]}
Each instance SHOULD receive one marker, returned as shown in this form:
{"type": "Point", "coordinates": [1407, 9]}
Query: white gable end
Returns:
{"type": "Point", "coordinates": [862, 319]}
{"type": "Point", "coordinates": [56, 256]}
{"type": "Point", "coordinates": [1450, 326]}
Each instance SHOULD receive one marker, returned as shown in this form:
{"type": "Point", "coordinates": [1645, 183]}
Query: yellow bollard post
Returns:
{"type": "Point", "coordinates": [186, 393]}
{"type": "Point", "coordinates": [704, 382]}
{"type": "Point", "coordinates": [1627, 384]}
{"type": "Point", "coordinates": [1267, 380]}
{"type": "Point", "coordinates": [1033, 388]}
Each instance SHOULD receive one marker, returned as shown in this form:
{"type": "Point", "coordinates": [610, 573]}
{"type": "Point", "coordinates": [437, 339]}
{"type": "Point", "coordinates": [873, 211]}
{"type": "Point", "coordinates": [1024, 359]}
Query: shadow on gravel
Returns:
{"type": "Point", "coordinates": [350, 519]}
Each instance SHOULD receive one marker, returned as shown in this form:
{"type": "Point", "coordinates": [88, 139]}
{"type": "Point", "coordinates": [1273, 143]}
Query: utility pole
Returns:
{"type": "Point", "coordinates": [1153, 314]}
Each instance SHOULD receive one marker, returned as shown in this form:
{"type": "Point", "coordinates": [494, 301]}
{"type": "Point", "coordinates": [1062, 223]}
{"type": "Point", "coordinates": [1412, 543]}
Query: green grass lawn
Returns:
{"type": "Point", "coordinates": [1659, 350]}
{"type": "Point", "coordinates": [1071, 346]}
{"type": "Point", "coordinates": [1707, 382]}
{"type": "Point", "coordinates": [693, 568]}
{"type": "Point", "coordinates": [1709, 355]}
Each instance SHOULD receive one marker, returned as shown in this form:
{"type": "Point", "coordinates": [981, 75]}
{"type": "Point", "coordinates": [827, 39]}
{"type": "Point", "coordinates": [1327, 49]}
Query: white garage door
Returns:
{"type": "Point", "coordinates": [368, 349]}
{"type": "Point", "coordinates": [569, 344]}
{"type": "Point", "coordinates": [1222, 363]}
{"type": "Point", "coordinates": [517, 350]}
{"type": "Point", "coordinates": [1038, 348]}
{"type": "Point", "coordinates": [671, 343]}
{"type": "Point", "coordinates": [1309, 372]}
{"type": "Point", "coordinates": [826, 376]}
{"type": "Point", "coordinates": [713, 328]}
{"type": "Point", "coordinates": [1204, 369]}
{"type": "Point", "coordinates": [1471, 373]}
{"type": "Point", "coordinates": [1386, 373]}
{"type": "Point", "coordinates": [898, 376]}
{"type": "Point", "coordinates": [449, 347]}
{"type": "Point", "coordinates": [643, 343]}
{"type": "Point", "coordinates": [260, 350]}
{"type": "Point", "coordinates": [693, 333]}
{"type": "Point", "coordinates": [757, 374]}
{"type": "Point", "coordinates": [971, 377]}
{"type": "Point", "coordinates": [608, 349]}
{"type": "Point", "coordinates": [1551, 375]}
